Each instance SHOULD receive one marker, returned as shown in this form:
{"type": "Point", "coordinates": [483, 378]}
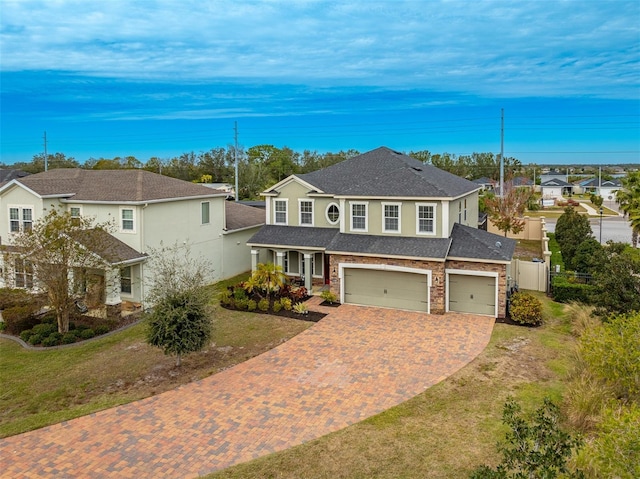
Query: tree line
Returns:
{"type": "Point", "coordinates": [261, 166]}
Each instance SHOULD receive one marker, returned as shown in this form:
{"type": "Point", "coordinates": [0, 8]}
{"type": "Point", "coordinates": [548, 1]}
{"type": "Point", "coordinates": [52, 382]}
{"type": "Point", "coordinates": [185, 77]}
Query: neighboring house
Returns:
{"type": "Point", "coordinates": [485, 184]}
{"type": "Point", "coordinates": [522, 182]}
{"type": "Point", "coordinates": [384, 229]}
{"type": "Point", "coordinates": [553, 175]}
{"type": "Point", "coordinates": [9, 174]}
{"type": "Point", "coordinates": [604, 188]}
{"type": "Point", "coordinates": [555, 189]}
{"type": "Point", "coordinates": [147, 211]}
{"type": "Point", "coordinates": [226, 187]}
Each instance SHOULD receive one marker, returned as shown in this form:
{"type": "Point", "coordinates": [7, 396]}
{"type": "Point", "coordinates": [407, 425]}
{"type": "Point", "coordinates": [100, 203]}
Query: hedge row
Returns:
{"type": "Point", "coordinates": [564, 291]}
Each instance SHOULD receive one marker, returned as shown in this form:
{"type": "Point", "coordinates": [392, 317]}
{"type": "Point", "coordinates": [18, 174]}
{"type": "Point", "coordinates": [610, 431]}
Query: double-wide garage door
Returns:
{"type": "Point", "coordinates": [388, 289]}
{"type": "Point", "coordinates": [472, 294]}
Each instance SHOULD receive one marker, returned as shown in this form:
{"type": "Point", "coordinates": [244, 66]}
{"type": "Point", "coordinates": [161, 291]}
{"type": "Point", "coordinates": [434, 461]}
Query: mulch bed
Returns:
{"type": "Point", "coordinates": [513, 323]}
{"type": "Point", "coordinates": [313, 316]}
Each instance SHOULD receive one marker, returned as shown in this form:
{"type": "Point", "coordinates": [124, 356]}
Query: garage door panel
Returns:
{"type": "Point", "coordinates": [472, 294]}
{"type": "Point", "coordinates": [389, 289]}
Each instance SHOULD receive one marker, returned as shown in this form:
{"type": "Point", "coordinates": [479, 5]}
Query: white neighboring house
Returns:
{"type": "Point", "coordinates": [555, 189]}
{"type": "Point", "coordinates": [148, 210]}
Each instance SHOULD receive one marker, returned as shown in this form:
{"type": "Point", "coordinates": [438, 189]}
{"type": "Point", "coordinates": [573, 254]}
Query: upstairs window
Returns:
{"type": "Point", "coordinates": [75, 212]}
{"type": "Point", "coordinates": [465, 210]}
{"type": "Point", "coordinates": [306, 213]}
{"type": "Point", "coordinates": [460, 212]}
{"type": "Point", "coordinates": [204, 211]}
{"type": "Point", "coordinates": [127, 220]}
{"type": "Point", "coordinates": [280, 207]}
{"type": "Point", "coordinates": [20, 218]}
{"type": "Point", "coordinates": [333, 213]}
{"type": "Point", "coordinates": [359, 216]}
{"type": "Point", "coordinates": [426, 220]}
{"type": "Point", "coordinates": [391, 221]}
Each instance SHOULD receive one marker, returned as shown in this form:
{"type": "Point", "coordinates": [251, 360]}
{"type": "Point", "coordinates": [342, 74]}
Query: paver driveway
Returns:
{"type": "Point", "coordinates": [354, 363]}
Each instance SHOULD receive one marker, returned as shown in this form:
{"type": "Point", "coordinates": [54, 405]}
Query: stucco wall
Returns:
{"type": "Point", "coordinates": [235, 253]}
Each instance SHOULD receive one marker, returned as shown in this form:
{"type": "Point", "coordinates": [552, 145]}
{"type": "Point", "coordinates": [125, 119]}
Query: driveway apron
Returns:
{"type": "Point", "coordinates": [355, 363]}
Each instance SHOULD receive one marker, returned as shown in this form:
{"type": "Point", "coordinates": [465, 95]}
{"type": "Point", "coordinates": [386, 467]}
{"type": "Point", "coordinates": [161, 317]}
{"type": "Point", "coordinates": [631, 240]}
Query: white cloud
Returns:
{"type": "Point", "coordinates": [484, 48]}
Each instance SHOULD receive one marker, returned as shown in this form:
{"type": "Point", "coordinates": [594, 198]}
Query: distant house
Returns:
{"type": "Point", "coordinates": [7, 174]}
{"type": "Point", "coordinates": [486, 184]}
{"type": "Point", "coordinates": [553, 175]}
{"type": "Point", "coordinates": [604, 188]}
{"type": "Point", "coordinates": [555, 189]}
{"type": "Point", "coordinates": [147, 210]}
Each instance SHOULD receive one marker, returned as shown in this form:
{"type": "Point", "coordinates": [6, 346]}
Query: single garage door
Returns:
{"type": "Point", "coordinates": [388, 289]}
{"type": "Point", "coordinates": [472, 294]}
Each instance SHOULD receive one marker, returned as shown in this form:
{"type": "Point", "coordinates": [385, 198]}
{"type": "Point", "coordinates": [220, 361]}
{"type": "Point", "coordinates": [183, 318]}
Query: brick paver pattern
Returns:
{"type": "Point", "coordinates": [354, 363]}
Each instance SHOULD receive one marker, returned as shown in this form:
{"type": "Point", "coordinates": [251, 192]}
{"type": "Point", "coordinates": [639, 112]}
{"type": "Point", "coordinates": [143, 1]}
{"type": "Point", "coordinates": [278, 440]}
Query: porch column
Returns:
{"type": "Point", "coordinates": [255, 257]}
{"type": "Point", "coordinates": [308, 274]}
{"type": "Point", "coordinates": [280, 259]}
{"type": "Point", "coordinates": [112, 287]}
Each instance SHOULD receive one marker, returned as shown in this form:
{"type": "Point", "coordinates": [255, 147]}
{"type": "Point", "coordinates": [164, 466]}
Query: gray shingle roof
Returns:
{"type": "Point", "coordinates": [555, 182]}
{"type": "Point", "coordinates": [9, 174]}
{"type": "Point", "coordinates": [472, 243]}
{"type": "Point", "coordinates": [605, 183]}
{"type": "Point", "coordinates": [113, 185]}
{"type": "Point", "coordinates": [301, 236]}
{"type": "Point", "coordinates": [390, 245]}
{"type": "Point", "coordinates": [108, 247]}
{"type": "Point", "coordinates": [242, 216]}
{"type": "Point", "coordinates": [383, 172]}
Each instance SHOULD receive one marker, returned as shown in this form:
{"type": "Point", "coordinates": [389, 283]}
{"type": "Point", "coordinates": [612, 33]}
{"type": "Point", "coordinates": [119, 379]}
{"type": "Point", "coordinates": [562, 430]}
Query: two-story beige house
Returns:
{"type": "Point", "coordinates": [384, 229]}
{"type": "Point", "coordinates": [146, 210]}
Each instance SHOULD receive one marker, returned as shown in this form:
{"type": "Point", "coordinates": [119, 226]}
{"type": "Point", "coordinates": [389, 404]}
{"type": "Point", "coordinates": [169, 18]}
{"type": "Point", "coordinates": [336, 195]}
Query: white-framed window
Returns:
{"type": "Point", "coordinates": [359, 216]}
{"type": "Point", "coordinates": [127, 220]}
{"type": "Point", "coordinates": [23, 270]}
{"type": "Point", "coordinates": [280, 209]}
{"type": "Point", "coordinates": [465, 210]}
{"type": "Point", "coordinates": [291, 259]}
{"type": "Point", "coordinates": [76, 213]}
{"type": "Point", "coordinates": [20, 218]}
{"type": "Point", "coordinates": [333, 213]}
{"type": "Point", "coordinates": [317, 264]}
{"type": "Point", "coordinates": [204, 212]}
{"type": "Point", "coordinates": [306, 212]}
{"type": "Point", "coordinates": [460, 212]}
{"type": "Point", "coordinates": [125, 280]}
{"type": "Point", "coordinates": [391, 217]}
{"type": "Point", "coordinates": [425, 218]}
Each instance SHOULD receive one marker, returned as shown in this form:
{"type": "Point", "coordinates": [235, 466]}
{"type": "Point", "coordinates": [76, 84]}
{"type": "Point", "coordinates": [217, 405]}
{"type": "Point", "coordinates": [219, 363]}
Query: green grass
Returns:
{"type": "Point", "coordinates": [45, 387]}
{"type": "Point", "coordinates": [449, 429]}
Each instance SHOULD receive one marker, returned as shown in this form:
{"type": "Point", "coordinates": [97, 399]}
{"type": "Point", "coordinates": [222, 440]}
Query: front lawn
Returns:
{"type": "Point", "coordinates": [450, 428]}
{"type": "Point", "coordinates": [40, 388]}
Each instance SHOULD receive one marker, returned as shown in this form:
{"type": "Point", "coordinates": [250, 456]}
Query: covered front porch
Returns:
{"type": "Point", "coordinates": [296, 265]}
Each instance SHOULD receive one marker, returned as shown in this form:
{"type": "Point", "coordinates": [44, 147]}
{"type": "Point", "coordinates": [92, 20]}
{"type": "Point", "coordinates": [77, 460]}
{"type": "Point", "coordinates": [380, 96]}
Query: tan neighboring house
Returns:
{"type": "Point", "coordinates": [384, 229]}
{"type": "Point", "coordinates": [147, 210]}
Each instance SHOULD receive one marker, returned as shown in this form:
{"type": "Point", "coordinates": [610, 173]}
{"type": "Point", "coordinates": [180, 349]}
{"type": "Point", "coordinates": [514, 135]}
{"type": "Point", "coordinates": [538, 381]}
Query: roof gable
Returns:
{"type": "Point", "coordinates": [386, 173]}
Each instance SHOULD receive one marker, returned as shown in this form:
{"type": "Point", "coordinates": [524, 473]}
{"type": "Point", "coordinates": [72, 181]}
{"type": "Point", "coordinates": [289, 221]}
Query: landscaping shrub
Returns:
{"type": "Point", "coordinates": [53, 339]}
{"type": "Point", "coordinates": [87, 333]}
{"type": "Point", "coordinates": [277, 306]}
{"type": "Point", "coordinates": [49, 318]}
{"type": "Point", "coordinates": [239, 294]}
{"type": "Point", "coordinates": [251, 305]}
{"type": "Point", "coordinates": [69, 338]}
{"type": "Point", "coordinates": [19, 318]}
{"type": "Point", "coordinates": [102, 329]}
{"type": "Point", "coordinates": [25, 335]}
{"type": "Point", "coordinates": [526, 309]}
{"type": "Point", "coordinates": [301, 308]}
{"type": "Point", "coordinates": [35, 339]}
{"type": "Point", "coordinates": [564, 291]}
{"type": "Point", "coordinates": [299, 294]}
{"type": "Point", "coordinates": [81, 327]}
{"type": "Point", "coordinates": [329, 297]}
{"type": "Point", "coordinates": [263, 305]}
{"type": "Point", "coordinates": [226, 298]}
{"type": "Point", "coordinates": [242, 304]}
{"type": "Point", "coordinates": [44, 329]}
{"type": "Point", "coordinates": [287, 304]}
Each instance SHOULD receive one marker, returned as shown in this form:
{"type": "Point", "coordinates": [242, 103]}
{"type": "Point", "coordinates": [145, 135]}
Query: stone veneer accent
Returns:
{"type": "Point", "coordinates": [437, 291]}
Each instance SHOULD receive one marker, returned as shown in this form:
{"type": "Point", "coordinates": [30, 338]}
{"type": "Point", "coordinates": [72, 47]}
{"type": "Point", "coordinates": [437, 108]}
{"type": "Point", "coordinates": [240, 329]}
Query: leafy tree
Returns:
{"type": "Point", "coordinates": [506, 211]}
{"type": "Point", "coordinates": [629, 200]}
{"type": "Point", "coordinates": [179, 322]}
{"type": "Point", "coordinates": [618, 281]}
{"type": "Point", "coordinates": [589, 257]}
{"type": "Point", "coordinates": [571, 230]}
{"type": "Point", "coordinates": [56, 245]}
{"type": "Point", "coordinates": [596, 200]}
{"type": "Point", "coordinates": [537, 448]}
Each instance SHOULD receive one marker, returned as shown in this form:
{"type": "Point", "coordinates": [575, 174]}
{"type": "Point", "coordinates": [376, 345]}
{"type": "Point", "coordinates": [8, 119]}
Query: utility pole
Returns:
{"type": "Point", "coordinates": [235, 155]}
{"type": "Point", "coordinates": [502, 152]}
{"type": "Point", "coordinates": [46, 158]}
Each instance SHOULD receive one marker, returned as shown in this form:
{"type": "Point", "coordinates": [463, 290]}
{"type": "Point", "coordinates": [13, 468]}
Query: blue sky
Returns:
{"type": "Point", "coordinates": [159, 78]}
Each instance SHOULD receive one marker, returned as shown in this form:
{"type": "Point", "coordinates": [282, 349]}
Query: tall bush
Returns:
{"type": "Point", "coordinates": [572, 229]}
